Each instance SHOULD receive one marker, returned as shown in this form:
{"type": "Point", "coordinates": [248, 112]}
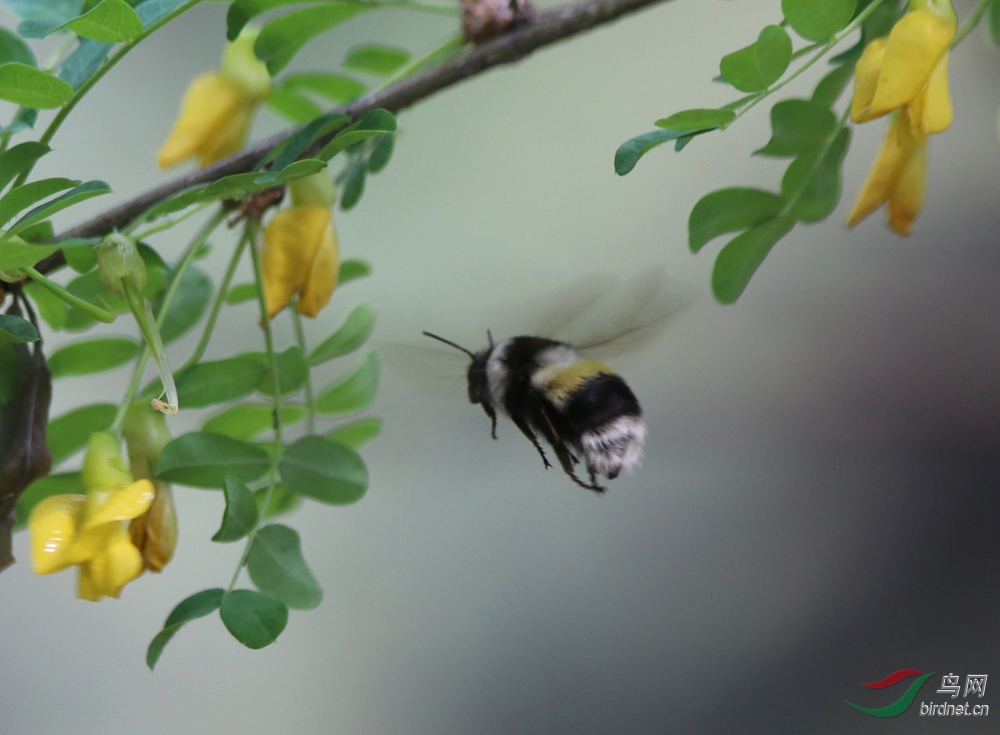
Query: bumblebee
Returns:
{"type": "Point", "coordinates": [551, 386]}
{"type": "Point", "coordinates": [583, 409]}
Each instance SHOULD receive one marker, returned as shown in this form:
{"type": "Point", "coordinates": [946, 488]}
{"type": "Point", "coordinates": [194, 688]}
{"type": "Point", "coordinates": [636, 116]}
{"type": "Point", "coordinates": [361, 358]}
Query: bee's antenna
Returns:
{"type": "Point", "coordinates": [449, 342]}
{"type": "Point", "coordinates": [489, 334]}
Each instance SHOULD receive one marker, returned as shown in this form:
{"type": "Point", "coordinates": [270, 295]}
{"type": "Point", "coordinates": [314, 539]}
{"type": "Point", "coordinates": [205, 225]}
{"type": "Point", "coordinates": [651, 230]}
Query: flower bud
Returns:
{"type": "Point", "coordinates": [118, 257]}
{"type": "Point", "coordinates": [241, 65]}
{"type": "Point", "coordinates": [317, 189]}
{"type": "Point", "coordinates": [146, 433]}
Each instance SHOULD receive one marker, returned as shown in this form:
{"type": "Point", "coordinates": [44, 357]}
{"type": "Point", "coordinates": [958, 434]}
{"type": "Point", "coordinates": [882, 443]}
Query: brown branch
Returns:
{"type": "Point", "coordinates": [551, 26]}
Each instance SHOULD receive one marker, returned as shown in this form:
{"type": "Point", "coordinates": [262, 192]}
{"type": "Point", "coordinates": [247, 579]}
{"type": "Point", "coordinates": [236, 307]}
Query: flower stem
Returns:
{"type": "Point", "coordinates": [79, 94]}
{"type": "Point", "coordinates": [86, 307]}
{"type": "Point", "coordinates": [166, 224]}
{"type": "Point", "coordinates": [186, 260]}
{"type": "Point", "coordinates": [300, 339]}
{"type": "Point", "coordinates": [143, 313]}
{"type": "Point", "coordinates": [447, 48]}
{"type": "Point", "coordinates": [220, 298]}
{"type": "Point", "coordinates": [971, 22]}
{"type": "Point", "coordinates": [272, 472]}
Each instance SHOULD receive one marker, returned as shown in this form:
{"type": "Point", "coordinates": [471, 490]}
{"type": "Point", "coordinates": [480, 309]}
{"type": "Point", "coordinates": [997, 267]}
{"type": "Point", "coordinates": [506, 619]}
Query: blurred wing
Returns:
{"type": "Point", "coordinates": [439, 371]}
{"type": "Point", "coordinates": [629, 317]}
{"type": "Point", "coordinates": [552, 314]}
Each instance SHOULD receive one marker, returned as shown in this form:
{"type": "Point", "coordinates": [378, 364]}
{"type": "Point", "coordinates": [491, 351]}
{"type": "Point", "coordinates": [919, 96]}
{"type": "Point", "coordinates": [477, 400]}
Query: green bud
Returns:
{"type": "Point", "coordinates": [118, 257]}
{"type": "Point", "coordinates": [316, 189]}
{"type": "Point", "coordinates": [104, 471]}
{"type": "Point", "coordinates": [146, 434]}
{"type": "Point", "coordinates": [12, 276]}
{"type": "Point", "coordinates": [241, 65]}
{"type": "Point", "coordinates": [940, 8]}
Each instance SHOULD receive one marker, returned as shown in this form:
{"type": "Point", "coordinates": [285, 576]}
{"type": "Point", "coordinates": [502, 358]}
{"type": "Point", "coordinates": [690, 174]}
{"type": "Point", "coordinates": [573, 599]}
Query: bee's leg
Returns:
{"type": "Point", "coordinates": [493, 418]}
{"type": "Point", "coordinates": [567, 460]}
{"type": "Point", "coordinates": [526, 430]}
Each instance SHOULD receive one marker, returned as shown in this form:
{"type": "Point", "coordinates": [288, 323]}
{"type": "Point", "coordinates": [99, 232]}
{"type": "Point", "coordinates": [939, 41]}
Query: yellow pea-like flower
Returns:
{"type": "Point", "coordinates": [899, 178]}
{"type": "Point", "coordinates": [300, 254]}
{"type": "Point", "coordinates": [218, 107]}
{"type": "Point", "coordinates": [88, 530]}
{"type": "Point", "coordinates": [905, 74]}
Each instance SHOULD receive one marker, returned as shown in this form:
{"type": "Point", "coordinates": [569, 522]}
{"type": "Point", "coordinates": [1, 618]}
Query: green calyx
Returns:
{"type": "Point", "coordinates": [117, 257]}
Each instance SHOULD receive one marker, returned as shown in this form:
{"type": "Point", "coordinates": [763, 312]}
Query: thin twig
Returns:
{"type": "Point", "coordinates": [551, 26]}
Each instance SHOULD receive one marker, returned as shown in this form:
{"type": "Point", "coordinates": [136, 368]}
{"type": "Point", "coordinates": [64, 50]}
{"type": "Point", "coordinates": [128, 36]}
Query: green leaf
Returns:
{"type": "Point", "coordinates": [730, 210]}
{"type": "Point", "coordinates": [243, 11]}
{"type": "Point", "coordinates": [19, 199]}
{"type": "Point", "coordinates": [281, 38]}
{"type": "Point", "coordinates": [25, 85]}
{"type": "Point", "coordinates": [65, 483]}
{"type": "Point", "coordinates": [14, 329]}
{"type": "Point", "coordinates": [798, 126]}
{"type": "Point", "coordinates": [356, 434]}
{"type": "Point", "coordinates": [15, 160]}
{"type": "Point", "coordinates": [375, 122]}
{"type": "Point", "coordinates": [353, 186]}
{"type": "Point", "coordinates": [92, 356]}
{"type": "Point", "coordinates": [297, 170]}
{"type": "Point", "coordinates": [276, 566]}
{"type": "Point", "coordinates": [373, 59]}
{"type": "Point", "coordinates": [324, 470]}
{"type": "Point", "coordinates": [351, 270]}
{"type": "Point", "coordinates": [240, 293]}
{"type": "Point", "coordinates": [203, 460]}
{"type": "Point", "coordinates": [70, 432]}
{"type": "Point", "coordinates": [219, 381]}
{"type": "Point", "coordinates": [293, 371]}
{"type": "Point", "coordinates": [282, 501]}
{"type": "Point", "coordinates": [629, 152]}
{"type": "Point", "coordinates": [293, 106]}
{"type": "Point", "coordinates": [152, 11]}
{"type": "Point", "coordinates": [295, 145]}
{"type": "Point", "coordinates": [697, 119]}
{"type": "Point", "coordinates": [73, 196]}
{"type": "Point", "coordinates": [255, 620]}
{"type": "Point", "coordinates": [241, 512]}
{"type": "Point", "coordinates": [760, 64]}
{"type": "Point", "coordinates": [333, 87]}
{"type": "Point", "coordinates": [13, 48]}
{"type": "Point", "coordinates": [14, 255]}
{"type": "Point", "coordinates": [50, 307]}
{"type": "Point", "coordinates": [739, 260]}
{"type": "Point", "coordinates": [110, 21]}
{"type": "Point", "coordinates": [249, 420]}
{"type": "Point", "coordinates": [81, 258]}
{"type": "Point", "coordinates": [83, 63]}
{"type": "Point", "coordinates": [818, 195]}
{"type": "Point", "coordinates": [188, 305]}
{"type": "Point", "coordinates": [47, 11]}
{"type": "Point", "coordinates": [993, 23]}
{"type": "Point", "coordinates": [381, 153]}
{"type": "Point", "coordinates": [353, 392]}
{"type": "Point", "coordinates": [817, 20]}
{"type": "Point", "coordinates": [353, 333]}
{"type": "Point", "coordinates": [196, 606]}
{"type": "Point", "coordinates": [831, 86]}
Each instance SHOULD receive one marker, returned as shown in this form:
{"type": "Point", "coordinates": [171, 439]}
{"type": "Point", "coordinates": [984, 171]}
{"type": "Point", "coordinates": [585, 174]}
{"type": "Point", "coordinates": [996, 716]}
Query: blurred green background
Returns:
{"type": "Point", "coordinates": [817, 506]}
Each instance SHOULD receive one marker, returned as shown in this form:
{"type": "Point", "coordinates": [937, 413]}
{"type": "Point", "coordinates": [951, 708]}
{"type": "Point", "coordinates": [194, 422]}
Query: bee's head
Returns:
{"type": "Point", "coordinates": [478, 387]}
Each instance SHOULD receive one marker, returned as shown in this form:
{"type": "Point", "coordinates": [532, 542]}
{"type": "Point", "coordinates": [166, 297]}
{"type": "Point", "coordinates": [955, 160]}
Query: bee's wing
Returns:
{"type": "Point", "coordinates": [555, 313]}
{"type": "Point", "coordinates": [438, 371]}
{"type": "Point", "coordinates": [630, 316]}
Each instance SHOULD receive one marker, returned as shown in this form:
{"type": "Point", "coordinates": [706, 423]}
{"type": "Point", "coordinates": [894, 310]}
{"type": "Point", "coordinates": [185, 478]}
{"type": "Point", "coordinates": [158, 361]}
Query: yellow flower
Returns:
{"type": "Point", "coordinates": [898, 177]}
{"type": "Point", "coordinates": [907, 73]}
{"type": "Point", "coordinates": [912, 63]}
{"type": "Point", "coordinates": [300, 249]}
{"type": "Point", "coordinates": [218, 107]}
{"type": "Point", "coordinates": [89, 530]}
